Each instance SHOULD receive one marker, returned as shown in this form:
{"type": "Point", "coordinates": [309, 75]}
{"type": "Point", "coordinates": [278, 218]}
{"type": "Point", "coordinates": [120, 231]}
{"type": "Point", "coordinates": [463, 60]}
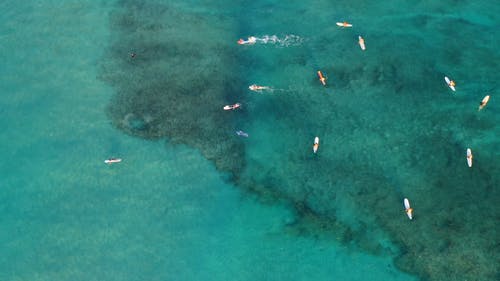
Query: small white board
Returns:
{"type": "Point", "coordinates": [448, 82]}
{"type": "Point", "coordinates": [406, 202]}
{"type": "Point", "coordinates": [469, 157]}
{"type": "Point", "coordinates": [113, 160]}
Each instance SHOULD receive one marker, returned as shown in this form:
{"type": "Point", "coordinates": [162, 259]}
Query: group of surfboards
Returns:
{"type": "Point", "coordinates": [361, 41]}
{"type": "Point", "coordinates": [482, 104]}
{"type": "Point", "coordinates": [322, 78]}
{"type": "Point", "coordinates": [451, 84]}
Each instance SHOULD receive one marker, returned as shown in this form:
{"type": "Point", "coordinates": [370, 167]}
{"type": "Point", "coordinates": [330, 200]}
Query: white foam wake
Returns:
{"type": "Point", "coordinates": [288, 40]}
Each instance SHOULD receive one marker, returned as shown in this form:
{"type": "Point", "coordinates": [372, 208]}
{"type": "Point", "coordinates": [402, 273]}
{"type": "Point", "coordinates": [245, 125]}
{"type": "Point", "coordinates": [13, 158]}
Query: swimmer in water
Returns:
{"type": "Point", "coordinates": [241, 133]}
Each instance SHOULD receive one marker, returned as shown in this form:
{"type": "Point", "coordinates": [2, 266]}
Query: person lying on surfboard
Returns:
{"type": "Point", "coordinates": [408, 209]}
{"type": "Point", "coordinates": [257, 88]}
{"type": "Point", "coordinates": [450, 83]}
{"type": "Point", "coordinates": [316, 144]}
{"type": "Point", "coordinates": [361, 42]}
{"type": "Point", "coordinates": [251, 40]}
{"type": "Point", "coordinates": [409, 213]}
{"type": "Point", "coordinates": [469, 157]}
{"type": "Point", "coordinates": [344, 24]}
{"type": "Point", "coordinates": [232, 107]}
{"type": "Point", "coordinates": [483, 103]}
{"type": "Point", "coordinates": [322, 79]}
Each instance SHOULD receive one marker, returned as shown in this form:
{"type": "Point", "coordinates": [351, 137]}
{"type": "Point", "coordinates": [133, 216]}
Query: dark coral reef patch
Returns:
{"type": "Point", "coordinates": [403, 143]}
{"type": "Point", "coordinates": [176, 81]}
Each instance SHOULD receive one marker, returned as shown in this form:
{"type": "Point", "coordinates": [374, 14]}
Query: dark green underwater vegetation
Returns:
{"type": "Point", "coordinates": [397, 129]}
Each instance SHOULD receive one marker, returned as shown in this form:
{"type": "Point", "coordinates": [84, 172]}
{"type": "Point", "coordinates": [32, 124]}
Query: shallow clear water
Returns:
{"type": "Point", "coordinates": [193, 201]}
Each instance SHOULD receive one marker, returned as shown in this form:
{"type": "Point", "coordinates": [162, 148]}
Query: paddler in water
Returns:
{"type": "Point", "coordinates": [322, 79]}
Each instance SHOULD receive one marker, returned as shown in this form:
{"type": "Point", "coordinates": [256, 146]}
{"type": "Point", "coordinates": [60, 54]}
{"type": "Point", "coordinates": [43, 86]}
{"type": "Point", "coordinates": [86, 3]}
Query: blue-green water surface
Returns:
{"type": "Point", "coordinates": [193, 201]}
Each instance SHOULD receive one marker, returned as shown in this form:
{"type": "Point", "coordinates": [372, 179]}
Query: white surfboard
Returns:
{"type": "Point", "coordinates": [408, 209]}
{"type": "Point", "coordinates": [344, 24]}
{"type": "Point", "coordinates": [448, 81]}
{"type": "Point", "coordinates": [483, 103]}
{"type": "Point", "coordinates": [406, 202]}
{"type": "Point", "coordinates": [113, 160]}
{"type": "Point", "coordinates": [316, 144]}
{"type": "Point", "coordinates": [469, 157]}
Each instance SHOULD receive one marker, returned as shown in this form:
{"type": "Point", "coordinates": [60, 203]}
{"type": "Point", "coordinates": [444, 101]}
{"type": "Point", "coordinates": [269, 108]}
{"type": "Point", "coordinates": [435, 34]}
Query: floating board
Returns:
{"type": "Point", "coordinates": [113, 160]}
{"type": "Point", "coordinates": [408, 209]}
{"type": "Point", "coordinates": [361, 42]}
{"type": "Point", "coordinates": [469, 157]}
{"type": "Point", "coordinates": [316, 144]}
{"type": "Point", "coordinates": [344, 24]}
{"type": "Point", "coordinates": [483, 103]}
{"type": "Point", "coordinates": [406, 202]}
{"type": "Point", "coordinates": [448, 81]}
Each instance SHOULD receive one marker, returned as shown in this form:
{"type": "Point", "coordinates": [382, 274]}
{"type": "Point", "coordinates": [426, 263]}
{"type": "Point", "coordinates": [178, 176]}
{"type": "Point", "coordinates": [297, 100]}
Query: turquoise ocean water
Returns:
{"type": "Point", "coordinates": [193, 201]}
